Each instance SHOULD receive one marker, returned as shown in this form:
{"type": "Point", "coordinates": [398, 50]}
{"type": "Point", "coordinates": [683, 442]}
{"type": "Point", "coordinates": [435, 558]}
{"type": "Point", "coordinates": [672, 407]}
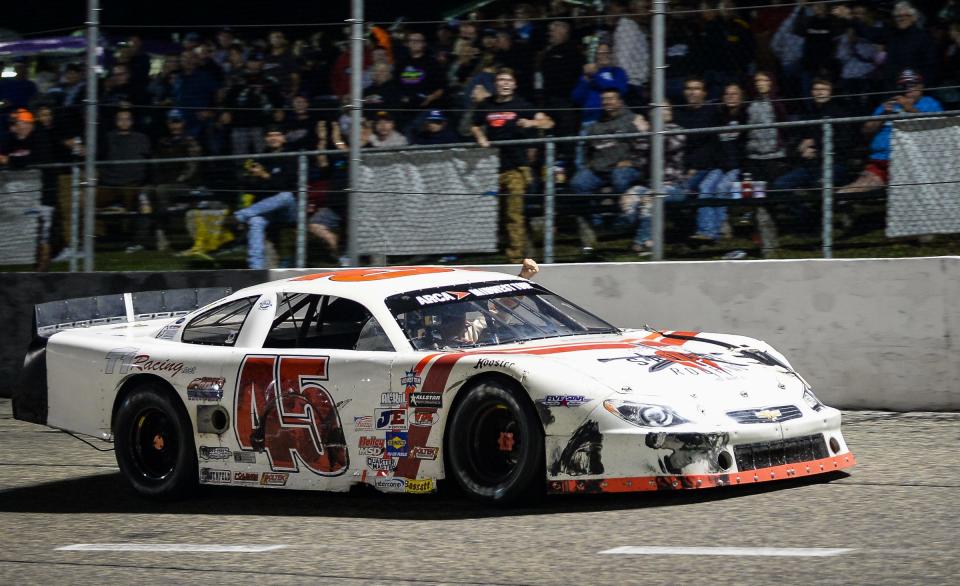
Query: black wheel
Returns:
{"type": "Point", "coordinates": [495, 444]}
{"type": "Point", "coordinates": [153, 441]}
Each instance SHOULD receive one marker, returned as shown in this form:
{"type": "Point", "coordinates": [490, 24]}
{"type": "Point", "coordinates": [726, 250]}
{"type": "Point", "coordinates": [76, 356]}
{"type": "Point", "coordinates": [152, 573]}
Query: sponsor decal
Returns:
{"type": "Point", "coordinates": [205, 388]}
{"type": "Point", "coordinates": [245, 457]}
{"type": "Point", "coordinates": [410, 380]}
{"type": "Point", "coordinates": [424, 452]}
{"type": "Point", "coordinates": [371, 446]}
{"type": "Point", "coordinates": [390, 484]}
{"type": "Point", "coordinates": [363, 422]}
{"type": "Point", "coordinates": [391, 419]}
{"type": "Point", "coordinates": [565, 400]}
{"type": "Point", "coordinates": [249, 477]}
{"type": "Point", "coordinates": [205, 395]}
{"type": "Point", "coordinates": [122, 360]}
{"type": "Point", "coordinates": [168, 332]}
{"type": "Point", "coordinates": [381, 464]}
{"type": "Point", "coordinates": [274, 479]}
{"type": "Point", "coordinates": [485, 363]}
{"type": "Point", "coordinates": [501, 288]}
{"type": "Point", "coordinates": [211, 476]}
{"type": "Point", "coordinates": [392, 399]}
{"type": "Point", "coordinates": [396, 443]}
{"type": "Point", "coordinates": [419, 486]}
{"type": "Point", "coordinates": [424, 417]}
{"type": "Point", "coordinates": [214, 453]}
{"type": "Point", "coordinates": [432, 298]}
{"type": "Point", "coordinates": [682, 363]}
{"type": "Point", "coordinates": [265, 304]}
{"type": "Point", "coordinates": [426, 400]}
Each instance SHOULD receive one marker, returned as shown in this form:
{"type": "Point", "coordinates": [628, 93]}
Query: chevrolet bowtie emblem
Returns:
{"type": "Point", "coordinates": [771, 414]}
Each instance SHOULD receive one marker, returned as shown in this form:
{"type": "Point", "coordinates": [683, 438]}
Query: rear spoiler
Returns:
{"type": "Point", "coordinates": [84, 312]}
{"type": "Point", "coordinates": [30, 390]}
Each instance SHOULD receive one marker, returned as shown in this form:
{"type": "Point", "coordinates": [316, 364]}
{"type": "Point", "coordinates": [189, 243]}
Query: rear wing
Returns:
{"type": "Point", "coordinates": [84, 312]}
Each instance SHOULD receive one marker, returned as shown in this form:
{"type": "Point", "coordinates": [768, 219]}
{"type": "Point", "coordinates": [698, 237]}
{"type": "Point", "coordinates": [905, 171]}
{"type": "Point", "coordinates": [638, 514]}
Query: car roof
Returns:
{"type": "Point", "coordinates": [374, 284]}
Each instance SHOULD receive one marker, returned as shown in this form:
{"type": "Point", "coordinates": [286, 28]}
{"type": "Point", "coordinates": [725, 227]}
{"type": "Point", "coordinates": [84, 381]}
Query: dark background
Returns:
{"type": "Point", "coordinates": [29, 17]}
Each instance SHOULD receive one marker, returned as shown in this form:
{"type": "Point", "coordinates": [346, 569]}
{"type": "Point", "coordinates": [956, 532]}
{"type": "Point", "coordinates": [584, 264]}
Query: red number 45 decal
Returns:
{"type": "Point", "coordinates": [281, 408]}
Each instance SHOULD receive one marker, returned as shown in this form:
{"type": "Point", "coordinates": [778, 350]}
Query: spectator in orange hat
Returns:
{"type": "Point", "coordinates": [17, 151]}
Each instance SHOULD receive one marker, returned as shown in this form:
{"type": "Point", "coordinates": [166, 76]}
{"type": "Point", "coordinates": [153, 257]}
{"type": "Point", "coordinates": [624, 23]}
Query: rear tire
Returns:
{"type": "Point", "coordinates": [153, 441]}
{"type": "Point", "coordinates": [494, 445]}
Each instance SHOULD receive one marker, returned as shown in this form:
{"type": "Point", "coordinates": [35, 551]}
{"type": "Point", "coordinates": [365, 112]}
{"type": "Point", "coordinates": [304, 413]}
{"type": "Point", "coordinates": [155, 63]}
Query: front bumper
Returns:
{"type": "Point", "coordinates": [691, 481]}
{"type": "Point", "coordinates": [606, 455]}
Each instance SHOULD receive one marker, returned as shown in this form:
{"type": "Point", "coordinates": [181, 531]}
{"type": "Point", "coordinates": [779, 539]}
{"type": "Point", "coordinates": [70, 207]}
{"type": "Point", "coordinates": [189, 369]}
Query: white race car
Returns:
{"type": "Point", "coordinates": [400, 377]}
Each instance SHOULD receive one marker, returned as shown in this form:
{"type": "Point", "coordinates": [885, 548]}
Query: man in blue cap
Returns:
{"type": "Point", "coordinates": [434, 130]}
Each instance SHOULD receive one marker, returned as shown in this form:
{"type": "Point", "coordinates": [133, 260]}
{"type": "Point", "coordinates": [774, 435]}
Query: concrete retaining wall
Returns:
{"type": "Point", "coordinates": [868, 334]}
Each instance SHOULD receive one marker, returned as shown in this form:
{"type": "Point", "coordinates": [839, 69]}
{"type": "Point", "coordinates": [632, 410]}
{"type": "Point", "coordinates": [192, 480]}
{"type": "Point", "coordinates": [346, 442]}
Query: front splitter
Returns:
{"type": "Point", "coordinates": [693, 481]}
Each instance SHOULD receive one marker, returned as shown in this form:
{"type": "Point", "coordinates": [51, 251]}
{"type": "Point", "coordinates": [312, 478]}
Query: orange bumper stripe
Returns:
{"type": "Point", "coordinates": [693, 481]}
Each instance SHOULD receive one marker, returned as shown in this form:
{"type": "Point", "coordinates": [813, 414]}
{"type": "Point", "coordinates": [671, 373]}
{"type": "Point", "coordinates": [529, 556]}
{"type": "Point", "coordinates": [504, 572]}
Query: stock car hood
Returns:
{"type": "Point", "coordinates": [698, 377]}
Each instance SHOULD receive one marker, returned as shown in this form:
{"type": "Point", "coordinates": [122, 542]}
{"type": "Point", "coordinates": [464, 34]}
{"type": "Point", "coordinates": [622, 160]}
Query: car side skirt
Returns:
{"type": "Point", "coordinates": [693, 481]}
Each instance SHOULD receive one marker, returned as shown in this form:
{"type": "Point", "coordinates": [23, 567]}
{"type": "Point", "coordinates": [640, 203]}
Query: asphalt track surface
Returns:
{"type": "Point", "coordinates": [897, 512]}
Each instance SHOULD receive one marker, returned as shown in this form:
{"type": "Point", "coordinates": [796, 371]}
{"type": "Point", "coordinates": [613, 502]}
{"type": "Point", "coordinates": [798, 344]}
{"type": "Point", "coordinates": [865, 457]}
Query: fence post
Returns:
{"type": "Point", "coordinates": [827, 190]}
{"type": "Point", "coordinates": [657, 138]}
{"type": "Point", "coordinates": [356, 99]}
{"type": "Point", "coordinates": [90, 172]}
{"type": "Point", "coordinates": [549, 200]}
{"type": "Point", "coordinates": [74, 217]}
{"type": "Point", "coordinates": [301, 211]}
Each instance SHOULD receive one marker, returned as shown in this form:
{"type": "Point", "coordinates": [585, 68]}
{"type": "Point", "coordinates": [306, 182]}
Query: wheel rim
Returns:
{"type": "Point", "coordinates": [154, 444]}
{"type": "Point", "coordinates": [494, 445]}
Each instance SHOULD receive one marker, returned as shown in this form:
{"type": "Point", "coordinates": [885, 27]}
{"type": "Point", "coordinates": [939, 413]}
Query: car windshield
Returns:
{"type": "Point", "coordinates": [484, 314]}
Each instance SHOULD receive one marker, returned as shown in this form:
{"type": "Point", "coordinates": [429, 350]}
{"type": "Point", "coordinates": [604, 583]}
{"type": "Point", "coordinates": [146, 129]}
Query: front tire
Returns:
{"type": "Point", "coordinates": [494, 444]}
{"type": "Point", "coordinates": [154, 444]}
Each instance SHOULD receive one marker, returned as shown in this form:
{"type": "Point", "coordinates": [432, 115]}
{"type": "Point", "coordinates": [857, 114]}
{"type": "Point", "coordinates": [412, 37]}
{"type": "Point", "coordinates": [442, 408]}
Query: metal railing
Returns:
{"type": "Point", "coordinates": [549, 145]}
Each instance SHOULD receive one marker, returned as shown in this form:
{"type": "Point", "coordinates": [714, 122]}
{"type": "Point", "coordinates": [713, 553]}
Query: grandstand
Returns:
{"type": "Point", "coordinates": [218, 92]}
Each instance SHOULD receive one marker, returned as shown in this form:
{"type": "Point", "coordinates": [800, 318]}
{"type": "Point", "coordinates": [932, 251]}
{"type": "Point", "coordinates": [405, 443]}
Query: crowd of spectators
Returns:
{"type": "Point", "coordinates": [539, 68]}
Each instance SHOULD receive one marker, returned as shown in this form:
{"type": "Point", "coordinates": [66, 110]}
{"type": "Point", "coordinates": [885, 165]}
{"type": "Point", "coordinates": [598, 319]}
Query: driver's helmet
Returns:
{"type": "Point", "coordinates": [445, 324]}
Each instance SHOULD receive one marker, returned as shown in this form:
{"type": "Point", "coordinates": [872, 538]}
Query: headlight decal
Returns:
{"type": "Point", "coordinates": [811, 400]}
{"type": "Point", "coordinates": [643, 414]}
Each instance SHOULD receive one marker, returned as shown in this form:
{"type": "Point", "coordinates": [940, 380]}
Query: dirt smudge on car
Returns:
{"type": "Point", "coordinates": [687, 448]}
{"type": "Point", "coordinates": [582, 454]}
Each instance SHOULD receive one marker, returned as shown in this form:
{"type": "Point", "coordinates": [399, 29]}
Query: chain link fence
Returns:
{"type": "Point", "coordinates": [766, 179]}
{"type": "Point", "coordinates": [423, 204]}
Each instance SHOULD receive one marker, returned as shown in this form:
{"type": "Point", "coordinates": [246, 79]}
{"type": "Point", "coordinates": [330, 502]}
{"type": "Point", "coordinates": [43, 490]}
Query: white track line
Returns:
{"type": "Point", "coordinates": [178, 547]}
{"type": "Point", "coordinates": [734, 551]}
